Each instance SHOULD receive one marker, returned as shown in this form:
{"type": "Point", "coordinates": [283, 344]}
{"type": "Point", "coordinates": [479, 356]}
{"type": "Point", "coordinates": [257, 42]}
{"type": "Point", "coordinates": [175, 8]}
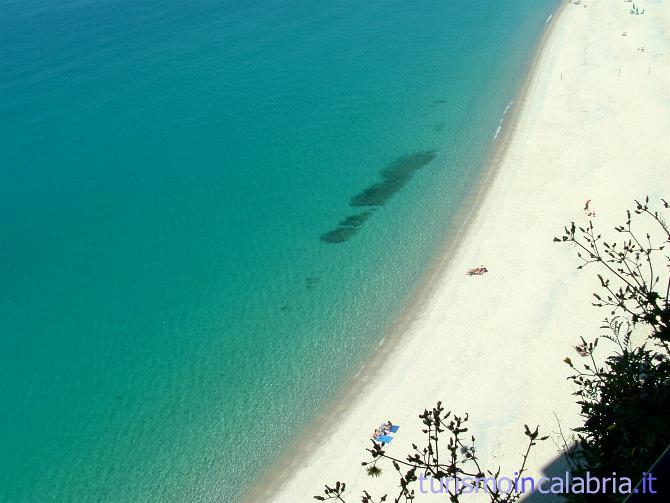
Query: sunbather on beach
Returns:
{"type": "Point", "coordinates": [477, 271]}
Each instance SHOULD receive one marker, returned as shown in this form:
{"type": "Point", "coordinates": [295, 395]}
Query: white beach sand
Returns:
{"type": "Point", "coordinates": [593, 123]}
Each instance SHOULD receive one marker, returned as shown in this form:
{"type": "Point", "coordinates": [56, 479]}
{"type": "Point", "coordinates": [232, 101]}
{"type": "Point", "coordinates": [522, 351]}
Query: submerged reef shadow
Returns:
{"type": "Point", "coordinates": [347, 228]}
{"type": "Point", "coordinates": [394, 177]}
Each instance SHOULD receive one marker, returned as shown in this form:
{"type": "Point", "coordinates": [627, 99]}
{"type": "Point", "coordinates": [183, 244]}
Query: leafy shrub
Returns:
{"type": "Point", "coordinates": [625, 400]}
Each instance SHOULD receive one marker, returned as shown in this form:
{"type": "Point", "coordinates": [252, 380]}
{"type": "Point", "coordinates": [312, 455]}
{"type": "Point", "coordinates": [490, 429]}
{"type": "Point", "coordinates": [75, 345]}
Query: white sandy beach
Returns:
{"type": "Point", "coordinates": [593, 123]}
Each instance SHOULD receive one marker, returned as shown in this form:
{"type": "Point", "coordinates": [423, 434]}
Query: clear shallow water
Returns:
{"type": "Point", "coordinates": [170, 315]}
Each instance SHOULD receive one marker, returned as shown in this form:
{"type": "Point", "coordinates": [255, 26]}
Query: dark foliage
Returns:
{"type": "Point", "coordinates": [629, 274]}
{"type": "Point", "coordinates": [625, 400]}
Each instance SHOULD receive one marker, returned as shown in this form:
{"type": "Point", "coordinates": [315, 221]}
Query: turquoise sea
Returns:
{"type": "Point", "coordinates": [210, 213]}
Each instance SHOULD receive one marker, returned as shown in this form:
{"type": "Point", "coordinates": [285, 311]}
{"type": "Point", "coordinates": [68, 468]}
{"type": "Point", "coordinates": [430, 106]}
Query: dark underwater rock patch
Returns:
{"type": "Point", "coordinates": [339, 235]}
{"type": "Point", "coordinates": [394, 177]}
{"type": "Point", "coordinates": [356, 220]}
{"type": "Point", "coordinates": [348, 227]}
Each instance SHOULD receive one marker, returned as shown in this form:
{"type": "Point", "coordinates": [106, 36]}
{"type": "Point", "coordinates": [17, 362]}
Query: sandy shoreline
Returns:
{"type": "Point", "coordinates": [590, 124]}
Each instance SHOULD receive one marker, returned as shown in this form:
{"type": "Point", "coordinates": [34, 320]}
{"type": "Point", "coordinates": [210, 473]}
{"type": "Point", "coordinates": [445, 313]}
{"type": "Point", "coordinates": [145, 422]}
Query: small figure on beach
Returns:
{"type": "Point", "coordinates": [383, 433]}
{"type": "Point", "coordinates": [588, 210]}
{"type": "Point", "coordinates": [385, 428]}
{"type": "Point", "coordinates": [477, 271]}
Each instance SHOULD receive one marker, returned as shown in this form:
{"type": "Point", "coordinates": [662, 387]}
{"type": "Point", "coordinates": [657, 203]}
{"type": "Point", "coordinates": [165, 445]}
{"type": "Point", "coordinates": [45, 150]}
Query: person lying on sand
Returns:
{"type": "Point", "coordinates": [477, 271]}
{"type": "Point", "coordinates": [383, 429]}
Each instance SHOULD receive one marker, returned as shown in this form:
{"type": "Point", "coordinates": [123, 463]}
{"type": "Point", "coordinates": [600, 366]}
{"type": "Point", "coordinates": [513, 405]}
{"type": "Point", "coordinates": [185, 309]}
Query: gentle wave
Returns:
{"type": "Point", "coordinates": [509, 105]}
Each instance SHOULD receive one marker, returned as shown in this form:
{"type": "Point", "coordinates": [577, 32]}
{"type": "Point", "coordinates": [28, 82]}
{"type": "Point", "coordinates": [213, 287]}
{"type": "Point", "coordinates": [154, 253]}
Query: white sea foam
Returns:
{"type": "Point", "coordinates": [509, 105]}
